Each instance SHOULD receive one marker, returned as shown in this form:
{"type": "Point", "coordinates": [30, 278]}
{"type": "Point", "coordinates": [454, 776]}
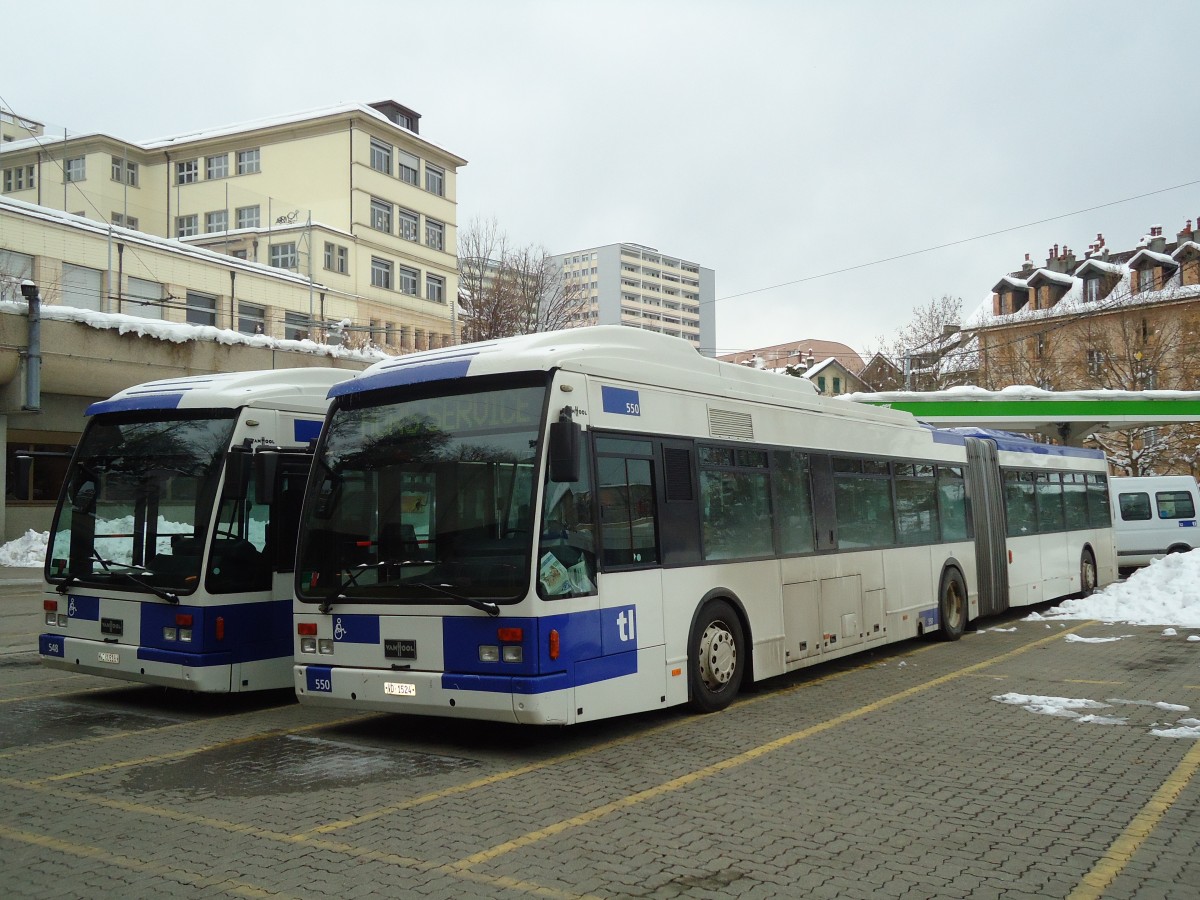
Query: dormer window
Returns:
{"type": "Point", "coordinates": [1091, 290]}
{"type": "Point", "coordinates": [1146, 279]}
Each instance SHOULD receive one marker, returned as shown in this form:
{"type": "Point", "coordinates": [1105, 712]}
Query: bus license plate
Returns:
{"type": "Point", "coordinates": [114, 658]}
{"type": "Point", "coordinates": [399, 689]}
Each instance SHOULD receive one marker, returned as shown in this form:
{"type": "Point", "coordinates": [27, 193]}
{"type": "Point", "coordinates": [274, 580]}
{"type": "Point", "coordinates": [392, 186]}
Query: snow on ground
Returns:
{"type": "Point", "coordinates": [28, 551]}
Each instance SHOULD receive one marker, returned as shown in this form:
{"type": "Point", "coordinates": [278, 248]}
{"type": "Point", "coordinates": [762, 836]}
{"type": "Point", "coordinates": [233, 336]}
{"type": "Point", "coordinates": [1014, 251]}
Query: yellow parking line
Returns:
{"type": "Point", "coordinates": [740, 759]}
{"type": "Point", "coordinates": [103, 687]}
{"type": "Point", "coordinates": [1143, 824]}
{"type": "Point", "coordinates": [171, 873]}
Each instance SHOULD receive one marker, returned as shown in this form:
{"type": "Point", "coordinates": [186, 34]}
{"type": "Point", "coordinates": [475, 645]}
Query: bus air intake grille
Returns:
{"type": "Point", "coordinates": [737, 426]}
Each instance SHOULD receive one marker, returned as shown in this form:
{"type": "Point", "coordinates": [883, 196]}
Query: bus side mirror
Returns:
{"type": "Point", "coordinates": [237, 469]}
{"type": "Point", "coordinates": [266, 468]}
{"type": "Point", "coordinates": [564, 450]}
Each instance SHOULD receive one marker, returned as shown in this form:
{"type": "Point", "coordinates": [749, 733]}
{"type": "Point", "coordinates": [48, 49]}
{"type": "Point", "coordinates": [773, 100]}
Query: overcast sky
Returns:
{"type": "Point", "coordinates": [773, 142]}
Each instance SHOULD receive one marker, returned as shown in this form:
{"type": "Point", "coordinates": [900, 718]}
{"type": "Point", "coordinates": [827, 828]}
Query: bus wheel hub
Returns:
{"type": "Point", "coordinates": [718, 656]}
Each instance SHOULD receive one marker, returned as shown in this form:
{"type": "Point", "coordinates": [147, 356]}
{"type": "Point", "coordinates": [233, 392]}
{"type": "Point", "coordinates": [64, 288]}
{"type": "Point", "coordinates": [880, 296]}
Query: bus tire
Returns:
{"type": "Point", "coordinates": [952, 606]}
{"type": "Point", "coordinates": [716, 657]}
{"type": "Point", "coordinates": [1087, 574]}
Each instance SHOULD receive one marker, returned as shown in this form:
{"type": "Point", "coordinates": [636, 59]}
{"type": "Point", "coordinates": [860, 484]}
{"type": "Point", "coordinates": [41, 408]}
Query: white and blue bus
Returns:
{"type": "Point", "coordinates": [566, 526]}
{"type": "Point", "coordinates": [169, 563]}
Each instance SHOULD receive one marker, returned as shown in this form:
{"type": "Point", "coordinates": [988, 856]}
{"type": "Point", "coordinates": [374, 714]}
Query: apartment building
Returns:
{"type": "Point", "coordinates": [635, 285]}
{"type": "Point", "coordinates": [351, 199]}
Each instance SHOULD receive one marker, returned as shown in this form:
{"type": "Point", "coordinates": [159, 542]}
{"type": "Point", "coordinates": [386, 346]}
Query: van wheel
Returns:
{"type": "Point", "coordinates": [952, 606]}
{"type": "Point", "coordinates": [717, 658]}
{"type": "Point", "coordinates": [1087, 574]}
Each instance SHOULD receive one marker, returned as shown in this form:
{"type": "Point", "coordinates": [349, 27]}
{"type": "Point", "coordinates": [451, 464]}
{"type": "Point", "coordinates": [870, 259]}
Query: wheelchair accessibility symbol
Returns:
{"type": "Point", "coordinates": [339, 630]}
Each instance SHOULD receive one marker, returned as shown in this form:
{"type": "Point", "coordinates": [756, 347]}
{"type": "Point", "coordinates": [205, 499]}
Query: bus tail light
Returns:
{"type": "Point", "coordinates": [554, 643]}
{"type": "Point", "coordinates": [306, 628]}
{"type": "Point", "coordinates": [183, 622]}
{"type": "Point", "coordinates": [510, 635]}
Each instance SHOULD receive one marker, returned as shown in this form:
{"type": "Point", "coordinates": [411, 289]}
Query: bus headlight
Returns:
{"type": "Point", "coordinates": [185, 634]}
{"type": "Point", "coordinates": [308, 645]}
{"type": "Point", "coordinates": [489, 653]}
{"type": "Point", "coordinates": [325, 645]}
{"type": "Point", "coordinates": [170, 634]}
{"type": "Point", "coordinates": [513, 653]}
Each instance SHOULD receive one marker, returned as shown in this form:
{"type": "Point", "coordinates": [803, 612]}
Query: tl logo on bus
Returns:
{"type": "Point", "coordinates": [627, 625]}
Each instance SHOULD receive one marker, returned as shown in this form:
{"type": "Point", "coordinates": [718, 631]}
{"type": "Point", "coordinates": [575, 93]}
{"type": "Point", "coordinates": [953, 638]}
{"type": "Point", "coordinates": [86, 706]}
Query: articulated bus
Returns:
{"type": "Point", "coordinates": [567, 526]}
{"type": "Point", "coordinates": [169, 562]}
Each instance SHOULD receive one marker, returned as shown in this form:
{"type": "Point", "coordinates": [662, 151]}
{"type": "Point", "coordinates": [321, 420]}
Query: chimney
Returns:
{"type": "Point", "coordinates": [1157, 243]}
{"type": "Point", "coordinates": [1068, 260]}
{"type": "Point", "coordinates": [811, 360]}
{"type": "Point", "coordinates": [1027, 266]}
{"type": "Point", "coordinates": [1186, 233]}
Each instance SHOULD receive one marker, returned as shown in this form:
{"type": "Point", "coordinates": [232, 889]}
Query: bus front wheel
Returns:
{"type": "Point", "coordinates": [717, 657]}
{"type": "Point", "coordinates": [952, 606]}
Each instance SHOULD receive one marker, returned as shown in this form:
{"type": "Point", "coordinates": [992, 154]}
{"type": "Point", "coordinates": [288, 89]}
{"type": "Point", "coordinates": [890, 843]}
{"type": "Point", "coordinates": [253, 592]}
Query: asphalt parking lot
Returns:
{"type": "Point", "coordinates": [895, 774]}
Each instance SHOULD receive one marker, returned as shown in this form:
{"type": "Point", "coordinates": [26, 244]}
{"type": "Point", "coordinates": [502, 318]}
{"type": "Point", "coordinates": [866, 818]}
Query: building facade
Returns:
{"type": "Point", "coordinates": [350, 199]}
{"type": "Point", "coordinates": [1114, 319]}
{"type": "Point", "coordinates": [635, 285]}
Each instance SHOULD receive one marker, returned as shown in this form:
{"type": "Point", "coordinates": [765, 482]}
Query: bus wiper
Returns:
{"type": "Point", "coordinates": [156, 591]}
{"type": "Point", "coordinates": [490, 608]}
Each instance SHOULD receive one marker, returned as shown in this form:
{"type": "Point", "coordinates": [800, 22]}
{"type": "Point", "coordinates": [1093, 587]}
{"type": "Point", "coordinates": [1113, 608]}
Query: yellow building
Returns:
{"type": "Point", "coordinates": [350, 200]}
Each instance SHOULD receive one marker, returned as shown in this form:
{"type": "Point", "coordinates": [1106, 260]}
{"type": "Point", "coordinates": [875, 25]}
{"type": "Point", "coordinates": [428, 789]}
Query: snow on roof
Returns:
{"type": "Point", "coordinates": [1049, 275]}
{"type": "Point", "coordinates": [1102, 265]}
{"type": "Point", "coordinates": [1185, 247]}
{"type": "Point", "coordinates": [817, 367]}
{"type": "Point", "coordinates": [1012, 281]}
{"type": "Point", "coordinates": [180, 332]}
{"type": "Point", "coordinates": [1160, 258]}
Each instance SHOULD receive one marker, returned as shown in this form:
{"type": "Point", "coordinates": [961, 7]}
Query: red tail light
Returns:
{"type": "Point", "coordinates": [50, 605]}
{"type": "Point", "coordinates": [511, 635]}
{"type": "Point", "coordinates": [306, 628]}
{"type": "Point", "coordinates": [183, 620]}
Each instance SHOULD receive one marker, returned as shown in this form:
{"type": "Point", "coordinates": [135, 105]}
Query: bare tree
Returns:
{"type": "Point", "coordinates": [926, 348]}
{"type": "Point", "coordinates": [507, 290]}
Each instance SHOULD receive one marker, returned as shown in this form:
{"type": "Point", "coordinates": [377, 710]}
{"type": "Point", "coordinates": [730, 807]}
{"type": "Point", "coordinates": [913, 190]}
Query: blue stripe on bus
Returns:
{"type": "Point", "coordinates": [1007, 441]}
{"type": "Point", "coordinates": [305, 430]}
{"type": "Point", "coordinates": [52, 645]}
{"type": "Point", "coordinates": [355, 629]}
{"type": "Point", "coordinates": [186, 658]}
{"type": "Point", "coordinates": [253, 631]}
{"type": "Point", "coordinates": [411, 373]}
{"type": "Point", "coordinates": [148, 401]}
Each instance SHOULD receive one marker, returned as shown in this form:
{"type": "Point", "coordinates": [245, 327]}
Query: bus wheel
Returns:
{"type": "Point", "coordinates": [717, 658]}
{"type": "Point", "coordinates": [1087, 574]}
{"type": "Point", "coordinates": [952, 606]}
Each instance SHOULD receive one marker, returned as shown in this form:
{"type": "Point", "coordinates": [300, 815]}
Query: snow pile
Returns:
{"type": "Point", "coordinates": [27, 551]}
{"type": "Point", "coordinates": [1167, 592]}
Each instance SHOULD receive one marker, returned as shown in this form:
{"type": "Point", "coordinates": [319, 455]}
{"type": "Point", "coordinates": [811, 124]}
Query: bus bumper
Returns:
{"type": "Point", "coordinates": [426, 693]}
{"type": "Point", "coordinates": [209, 673]}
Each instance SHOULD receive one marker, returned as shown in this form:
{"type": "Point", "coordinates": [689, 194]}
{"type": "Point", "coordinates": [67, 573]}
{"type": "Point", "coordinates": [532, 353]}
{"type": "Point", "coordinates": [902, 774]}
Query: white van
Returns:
{"type": "Point", "coordinates": [1152, 516]}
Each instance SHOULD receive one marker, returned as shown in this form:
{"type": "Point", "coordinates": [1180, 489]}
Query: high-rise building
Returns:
{"type": "Point", "coordinates": [630, 284]}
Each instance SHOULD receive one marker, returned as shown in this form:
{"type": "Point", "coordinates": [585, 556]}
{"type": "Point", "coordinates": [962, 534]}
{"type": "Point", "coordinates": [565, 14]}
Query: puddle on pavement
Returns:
{"type": "Point", "coordinates": [287, 764]}
{"type": "Point", "coordinates": [33, 722]}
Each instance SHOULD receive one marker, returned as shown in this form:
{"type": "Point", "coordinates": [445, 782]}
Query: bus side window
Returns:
{"type": "Point", "coordinates": [627, 512]}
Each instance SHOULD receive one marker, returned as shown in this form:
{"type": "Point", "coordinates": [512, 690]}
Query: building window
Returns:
{"type": "Point", "coordinates": [283, 256]}
{"type": "Point", "coordinates": [187, 172]}
{"type": "Point", "coordinates": [121, 221]}
{"type": "Point", "coordinates": [75, 169]}
{"type": "Point", "coordinates": [435, 234]}
{"type": "Point", "coordinates": [435, 180]}
{"type": "Point", "coordinates": [837, 384]}
{"type": "Point", "coordinates": [821, 383]}
{"type": "Point", "coordinates": [381, 273]}
{"type": "Point", "coordinates": [295, 326]}
{"type": "Point", "coordinates": [201, 309]}
{"type": "Point", "coordinates": [247, 162]}
{"type": "Point", "coordinates": [1146, 279]}
{"type": "Point", "coordinates": [336, 258]}
{"type": "Point", "coordinates": [408, 224]}
{"type": "Point", "coordinates": [124, 171]}
{"type": "Point", "coordinates": [36, 471]}
{"type": "Point", "coordinates": [247, 217]}
{"type": "Point", "coordinates": [435, 288]}
{"type": "Point", "coordinates": [19, 178]}
{"type": "Point", "coordinates": [408, 280]}
{"type": "Point", "coordinates": [216, 221]}
{"type": "Point", "coordinates": [216, 166]}
{"type": "Point", "coordinates": [1095, 362]}
{"type": "Point", "coordinates": [381, 215]}
{"type": "Point", "coordinates": [381, 156]}
{"type": "Point", "coordinates": [186, 226]}
{"type": "Point", "coordinates": [252, 318]}
{"type": "Point", "coordinates": [1091, 290]}
{"type": "Point", "coordinates": [410, 167]}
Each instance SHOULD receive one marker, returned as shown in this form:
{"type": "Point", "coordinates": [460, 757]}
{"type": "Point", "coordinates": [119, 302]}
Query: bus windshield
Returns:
{"type": "Point", "coordinates": [137, 500]}
{"type": "Point", "coordinates": [426, 499]}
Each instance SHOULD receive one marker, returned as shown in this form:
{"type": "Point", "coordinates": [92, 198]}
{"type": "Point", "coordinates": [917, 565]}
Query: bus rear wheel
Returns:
{"type": "Point", "coordinates": [1087, 574]}
{"type": "Point", "coordinates": [717, 657]}
{"type": "Point", "coordinates": [952, 606]}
